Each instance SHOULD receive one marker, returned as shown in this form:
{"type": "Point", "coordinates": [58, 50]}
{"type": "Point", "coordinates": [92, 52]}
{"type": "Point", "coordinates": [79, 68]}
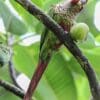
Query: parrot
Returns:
{"type": "Point", "coordinates": [64, 13]}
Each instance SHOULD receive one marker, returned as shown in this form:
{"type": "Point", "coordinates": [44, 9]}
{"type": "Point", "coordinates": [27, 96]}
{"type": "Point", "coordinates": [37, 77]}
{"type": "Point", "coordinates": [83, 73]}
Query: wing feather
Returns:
{"type": "Point", "coordinates": [46, 30]}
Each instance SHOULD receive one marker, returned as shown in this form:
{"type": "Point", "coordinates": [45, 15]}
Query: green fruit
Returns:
{"type": "Point", "coordinates": [4, 55]}
{"type": "Point", "coordinates": [79, 31]}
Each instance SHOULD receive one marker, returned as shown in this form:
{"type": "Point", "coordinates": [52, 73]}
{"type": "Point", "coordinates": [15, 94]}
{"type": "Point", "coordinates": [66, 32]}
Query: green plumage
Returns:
{"type": "Point", "coordinates": [64, 14]}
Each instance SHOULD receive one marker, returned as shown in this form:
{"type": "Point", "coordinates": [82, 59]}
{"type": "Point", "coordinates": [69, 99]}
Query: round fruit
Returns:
{"type": "Point", "coordinates": [79, 31]}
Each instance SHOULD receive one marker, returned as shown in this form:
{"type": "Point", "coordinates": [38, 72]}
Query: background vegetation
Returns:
{"type": "Point", "coordinates": [63, 79]}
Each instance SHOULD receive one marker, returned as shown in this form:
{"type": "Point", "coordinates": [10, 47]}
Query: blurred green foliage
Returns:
{"type": "Point", "coordinates": [64, 79]}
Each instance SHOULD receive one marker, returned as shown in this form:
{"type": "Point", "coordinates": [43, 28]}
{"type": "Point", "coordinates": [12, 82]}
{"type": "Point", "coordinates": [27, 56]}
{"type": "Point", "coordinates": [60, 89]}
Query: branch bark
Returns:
{"type": "Point", "coordinates": [68, 42]}
{"type": "Point", "coordinates": [12, 88]}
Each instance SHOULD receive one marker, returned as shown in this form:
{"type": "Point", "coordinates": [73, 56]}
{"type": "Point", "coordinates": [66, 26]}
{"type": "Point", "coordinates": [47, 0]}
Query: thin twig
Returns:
{"type": "Point", "coordinates": [12, 88]}
{"type": "Point", "coordinates": [12, 71]}
{"type": "Point", "coordinates": [67, 41]}
{"type": "Point", "coordinates": [13, 74]}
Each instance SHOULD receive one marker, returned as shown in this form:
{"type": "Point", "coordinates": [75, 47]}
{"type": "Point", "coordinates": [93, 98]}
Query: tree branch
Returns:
{"type": "Point", "coordinates": [67, 41]}
{"type": "Point", "coordinates": [12, 88]}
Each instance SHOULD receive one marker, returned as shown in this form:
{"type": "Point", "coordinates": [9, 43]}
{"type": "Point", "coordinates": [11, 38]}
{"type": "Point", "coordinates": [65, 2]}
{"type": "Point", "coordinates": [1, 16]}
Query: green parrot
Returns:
{"type": "Point", "coordinates": [64, 14]}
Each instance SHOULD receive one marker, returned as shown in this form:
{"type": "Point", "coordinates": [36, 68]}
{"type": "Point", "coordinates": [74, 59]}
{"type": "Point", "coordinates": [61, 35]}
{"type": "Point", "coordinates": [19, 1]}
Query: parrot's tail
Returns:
{"type": "Point", "coordinates": [35, 79]}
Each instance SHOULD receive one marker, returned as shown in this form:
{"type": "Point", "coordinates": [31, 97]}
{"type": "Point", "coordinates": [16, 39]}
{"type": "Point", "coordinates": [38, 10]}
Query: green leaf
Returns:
{"type": "Point", "coordinates": [63, 78]}
{"type": "Point", "coordinates": [57, 82]}
{"type": "Point", "coordinates": [30, 20]}
{"type": "Point", "coordinates": [38, 2]}
{"type": "Point", "coordinates": [89, 43]}
{"type": "Point", "coordinates": [87, 16]}
{"type": "Point", "coordinates": [94, 56]}
{"type": "Point", "coordinates": [50, 3]}
{"type": "Point", "coordinates": [24, 59]}
{"type": "Point", "coordinates": [11, 22]}
{"type": "Point", "coordinates": [82, 88]}
{"type": "Point", "coordinates": [4, 94]}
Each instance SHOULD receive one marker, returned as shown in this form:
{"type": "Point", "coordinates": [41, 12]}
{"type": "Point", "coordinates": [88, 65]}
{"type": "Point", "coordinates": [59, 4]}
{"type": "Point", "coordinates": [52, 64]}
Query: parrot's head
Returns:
{"type": "Point", "coordinates": [82, 2]}
{"type": "Point", "coordinates": [78, 4]}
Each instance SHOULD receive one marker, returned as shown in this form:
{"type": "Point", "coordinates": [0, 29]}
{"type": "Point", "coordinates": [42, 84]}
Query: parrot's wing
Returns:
{"type": "Point", "coordinates": [43, 36]}
{"type": "Point", "coordinates": [46, 30]}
